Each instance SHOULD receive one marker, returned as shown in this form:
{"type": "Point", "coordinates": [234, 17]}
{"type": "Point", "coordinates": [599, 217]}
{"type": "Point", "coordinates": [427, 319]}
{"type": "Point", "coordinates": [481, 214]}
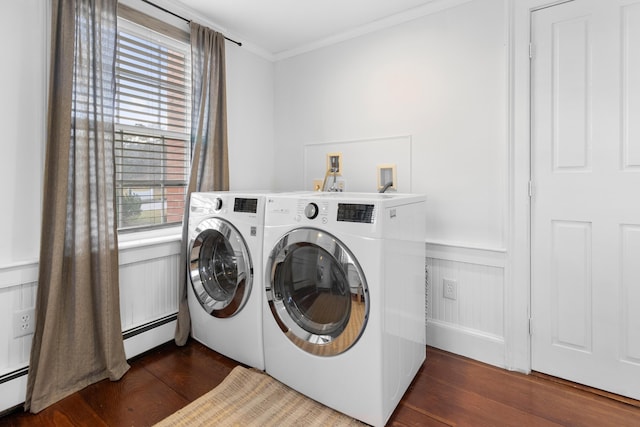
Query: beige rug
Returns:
{"type": "Point", "coordinates": [248, 397]}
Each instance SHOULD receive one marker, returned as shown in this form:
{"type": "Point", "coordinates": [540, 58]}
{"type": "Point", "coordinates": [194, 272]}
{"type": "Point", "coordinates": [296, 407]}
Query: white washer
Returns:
{"type": "Point", "coordinates": [344, 313]}
{"type": "Point", "coordinates": [225, 270]}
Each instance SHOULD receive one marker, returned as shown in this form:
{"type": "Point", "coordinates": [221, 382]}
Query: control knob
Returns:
{"type": "Point", "coordinates": [217, 204]}
{"type": "Point", "coordinates": [311, 211]}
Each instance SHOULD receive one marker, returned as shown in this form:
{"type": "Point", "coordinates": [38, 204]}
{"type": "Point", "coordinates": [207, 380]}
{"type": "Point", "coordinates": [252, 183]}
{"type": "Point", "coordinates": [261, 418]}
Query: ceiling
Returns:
{"type": "Point", "coordinates": [280, 26]}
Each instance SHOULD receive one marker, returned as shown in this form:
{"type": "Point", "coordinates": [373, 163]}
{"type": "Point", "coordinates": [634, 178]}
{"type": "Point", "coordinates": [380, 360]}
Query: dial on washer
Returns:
{"type": "Point", "coordinates": [311, 211]}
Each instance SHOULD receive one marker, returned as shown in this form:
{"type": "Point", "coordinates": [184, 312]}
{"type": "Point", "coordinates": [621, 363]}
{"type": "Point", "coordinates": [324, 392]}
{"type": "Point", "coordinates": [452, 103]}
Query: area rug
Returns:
{"type": "Point", "coordinates": [248, 397]}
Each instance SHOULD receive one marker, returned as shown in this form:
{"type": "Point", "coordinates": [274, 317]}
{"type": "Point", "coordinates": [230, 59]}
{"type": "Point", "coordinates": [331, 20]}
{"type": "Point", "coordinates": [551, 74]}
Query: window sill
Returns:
{"type": "Point", "coordinates": [149, 238]}
{"type": "Point", "coordinates": [148, 245]}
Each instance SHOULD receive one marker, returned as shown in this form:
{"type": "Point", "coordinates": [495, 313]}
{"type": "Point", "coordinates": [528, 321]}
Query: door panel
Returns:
{"type": "Point", "coordinates": [630, 254]}
{"type": "Point", "coordinates": [571, 284]}
{"type": "Point", "coordinates": [631, 85]}
{"type": "Point", "coordinates": [585, 219]}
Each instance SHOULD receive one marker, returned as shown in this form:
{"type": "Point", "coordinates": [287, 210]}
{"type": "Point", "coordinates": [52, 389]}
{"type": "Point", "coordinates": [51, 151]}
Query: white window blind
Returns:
{"type": "Point", "coordinates": [152, 127]}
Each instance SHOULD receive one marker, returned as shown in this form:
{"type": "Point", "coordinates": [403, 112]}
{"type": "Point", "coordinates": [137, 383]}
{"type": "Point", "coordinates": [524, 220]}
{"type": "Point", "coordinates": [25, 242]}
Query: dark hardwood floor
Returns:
{"type": "Point", "coordinates": [449, 390]}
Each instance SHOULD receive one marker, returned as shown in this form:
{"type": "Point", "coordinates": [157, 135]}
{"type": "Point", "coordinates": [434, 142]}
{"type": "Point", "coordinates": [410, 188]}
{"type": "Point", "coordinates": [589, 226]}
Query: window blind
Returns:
{"type": "Point", "coordinates": [152, 127]}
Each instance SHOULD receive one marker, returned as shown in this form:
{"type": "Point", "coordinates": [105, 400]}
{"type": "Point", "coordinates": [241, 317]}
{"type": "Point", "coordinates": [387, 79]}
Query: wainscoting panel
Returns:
{"type": "Point", "coordinates": [148, 290]}
{"type": "Point", "coordinates": [148, 298]}
{"type": "Point", "coordinates": [465, 301]}
{"type": "Point", "coordinates": [149, 294]}
{"type": "Point", "coordinates": [14, 352]}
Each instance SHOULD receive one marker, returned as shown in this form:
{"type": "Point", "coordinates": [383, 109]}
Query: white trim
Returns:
{"type": "Point", "coordinates": [136, 239]}
{"type": "Point", "coordinates": [467, 254]}
{"type": "Point", "coordinates": [133, 247]}
{"type": "Point", "coordinates": [18, 273]}
{"type": "Point", "coordinates": [430, 8]}
{"type": "Point", "coordinates": [477, 345]}
{"type": "Point", "coordinates": [518, 277]}
{"type": "Point", "coordinates": [381, 24]}
{"type": "Point", "coordinates": [515, 342]}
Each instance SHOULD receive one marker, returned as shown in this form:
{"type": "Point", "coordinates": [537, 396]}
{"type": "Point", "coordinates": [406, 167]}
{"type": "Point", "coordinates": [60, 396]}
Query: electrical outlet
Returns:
{"type": "Point", "coordinates": [450, 289]}
{"type": "Point", "coordinates": [317, 185]}
{"type": "Point", "coordinates": [24, 322]}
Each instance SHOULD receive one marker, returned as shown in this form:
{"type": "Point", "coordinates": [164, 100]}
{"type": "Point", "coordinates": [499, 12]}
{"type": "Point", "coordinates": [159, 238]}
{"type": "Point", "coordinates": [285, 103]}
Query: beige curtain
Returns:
{"type": "Point", "coordinates": [78, 336]}
{"type": "Point", "coordinates": [209, 161]}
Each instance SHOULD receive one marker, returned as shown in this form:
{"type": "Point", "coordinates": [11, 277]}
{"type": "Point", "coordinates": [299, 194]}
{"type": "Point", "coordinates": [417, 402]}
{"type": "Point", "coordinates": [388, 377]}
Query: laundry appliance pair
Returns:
{"type": "Point", "coordinates": [225, 289]}
{"type": "Point", "coordinates": [341, 286]}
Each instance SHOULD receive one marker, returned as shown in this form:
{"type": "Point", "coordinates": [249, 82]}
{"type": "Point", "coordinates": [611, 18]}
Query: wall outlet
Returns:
{"type": "Point", "coordinates": [24, 322]}
{"type": "Point", "coordinates": [450, 289]}
{"type": "Point", "coordinates": [317, 185]}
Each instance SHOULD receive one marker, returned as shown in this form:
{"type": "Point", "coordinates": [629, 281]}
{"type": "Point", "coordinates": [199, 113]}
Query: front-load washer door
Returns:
{"type": "Point", "coordinates": [220, 267]}
{"type": "Point", "coordinates": [317, 292]}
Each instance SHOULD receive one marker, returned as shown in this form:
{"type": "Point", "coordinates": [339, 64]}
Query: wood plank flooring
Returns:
{"type": "Point", "coordinates": [449, 390]}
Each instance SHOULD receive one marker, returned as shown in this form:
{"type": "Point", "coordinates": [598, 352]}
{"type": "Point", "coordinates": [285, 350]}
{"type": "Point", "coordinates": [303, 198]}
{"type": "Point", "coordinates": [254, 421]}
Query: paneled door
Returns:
{"type": "Point", "coordinates": [585, 218]}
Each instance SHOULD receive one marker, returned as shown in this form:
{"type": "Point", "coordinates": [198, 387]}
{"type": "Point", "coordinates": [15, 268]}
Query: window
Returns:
{"type": "Point", "coordinates": [152, 114]}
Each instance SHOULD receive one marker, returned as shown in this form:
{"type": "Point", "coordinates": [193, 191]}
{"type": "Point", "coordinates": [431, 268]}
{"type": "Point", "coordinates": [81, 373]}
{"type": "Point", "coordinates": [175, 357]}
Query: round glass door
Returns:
{"type": "Point", "coordinates": [317, 292]}
{"type": "Point", "coordinates": [220, 267]}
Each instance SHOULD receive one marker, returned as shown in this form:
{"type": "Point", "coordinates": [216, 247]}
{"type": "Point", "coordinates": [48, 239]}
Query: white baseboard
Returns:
{"type": "Point", "coordinates": [473, 344]}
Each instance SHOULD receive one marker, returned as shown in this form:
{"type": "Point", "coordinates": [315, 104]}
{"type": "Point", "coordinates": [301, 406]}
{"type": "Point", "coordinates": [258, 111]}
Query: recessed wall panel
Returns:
{"type": "Point", "coordinates": [631, 86]}
{"type": "Point", "coordinates": [630, 252]}
{"type": "Point", "coordinates": [571, 121]}
{"type": "Point", "coordinates": [571, 284]}
{"type": "Point", "coordinates": [480, 294]}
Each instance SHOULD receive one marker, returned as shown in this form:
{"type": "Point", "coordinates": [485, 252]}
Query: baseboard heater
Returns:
{"type": "Point", "coordinates": [10, 376]}
{"type": "Point", "coordinates": [129, 333]}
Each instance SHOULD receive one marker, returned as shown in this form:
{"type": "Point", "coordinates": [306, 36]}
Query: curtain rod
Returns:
{"type": "Point", "coordinates": [183, 18]}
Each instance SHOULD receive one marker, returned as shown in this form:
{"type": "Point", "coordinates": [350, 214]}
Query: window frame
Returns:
{"type": "Point", "coordinates": [146, 27]}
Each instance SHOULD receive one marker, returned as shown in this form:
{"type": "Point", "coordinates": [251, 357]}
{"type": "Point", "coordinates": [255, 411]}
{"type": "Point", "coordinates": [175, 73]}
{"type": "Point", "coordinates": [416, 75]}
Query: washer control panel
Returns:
{"type": "Point", "coordinates": [313, 211]}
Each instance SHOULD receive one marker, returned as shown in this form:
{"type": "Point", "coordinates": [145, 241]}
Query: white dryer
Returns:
{"type": "Point", "coordinates": [344, 313]}
{"type": "Point", "coordinates": [225, 270]}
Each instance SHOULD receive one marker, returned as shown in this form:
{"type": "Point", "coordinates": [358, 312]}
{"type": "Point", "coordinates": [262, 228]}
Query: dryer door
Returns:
{"type": "Point", "coordinates": [317, 292]}
{"type": "Point", "coordinates": [220, 267]}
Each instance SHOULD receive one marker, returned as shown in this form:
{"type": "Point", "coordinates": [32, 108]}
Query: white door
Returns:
{"type": "Point", "coordinates": [585, 219]}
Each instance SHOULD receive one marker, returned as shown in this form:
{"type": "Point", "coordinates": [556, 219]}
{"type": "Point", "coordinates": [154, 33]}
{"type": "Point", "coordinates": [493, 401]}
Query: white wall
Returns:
{"type": "Point", "coordinates": [23, 26]}
{"type": "Point", "coordinates": [23, 79]}
{"type": "Point", "coordinates": [250, 106]}
{"type": "Point", "coordinates": [442, 80]}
